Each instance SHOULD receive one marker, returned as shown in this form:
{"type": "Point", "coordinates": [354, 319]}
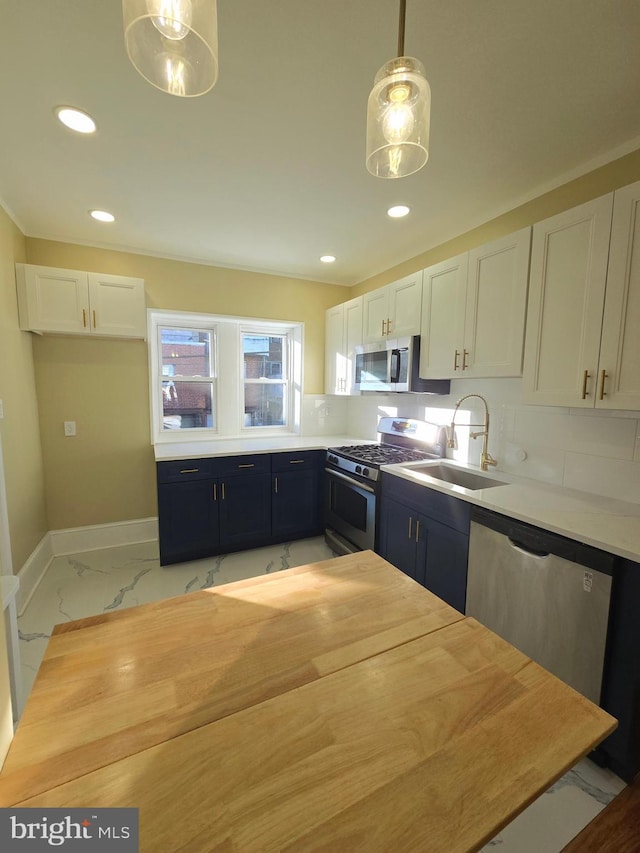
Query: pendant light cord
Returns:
{"type": "Point", "coordinates": [403, 10]}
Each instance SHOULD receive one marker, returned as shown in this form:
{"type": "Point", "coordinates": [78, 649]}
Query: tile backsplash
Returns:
{"type": "Point", "coordinates": [590, 450]}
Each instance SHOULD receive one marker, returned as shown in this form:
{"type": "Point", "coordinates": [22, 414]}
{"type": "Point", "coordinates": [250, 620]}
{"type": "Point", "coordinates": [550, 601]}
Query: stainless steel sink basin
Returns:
{"type": "Point", "coordinates": [455, 476]}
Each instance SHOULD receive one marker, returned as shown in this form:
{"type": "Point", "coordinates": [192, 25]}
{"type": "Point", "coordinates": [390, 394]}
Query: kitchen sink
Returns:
{"type": "Point", "coordinates": [456, 476]}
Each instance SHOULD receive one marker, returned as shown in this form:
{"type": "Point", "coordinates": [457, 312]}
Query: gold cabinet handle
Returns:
{"type": "Point", "coordinates": [296, 461]}
{"type": "Point", "coordinates": [410, 521]}
{"type": "Point", "coordinates": [189, 470]}
{"type": "Point", "coordinates": [383, 331]}
{"type": "Point", "coordinates": [252, 465]}
{"type": "Point", "coordinates": [95, 325]}
{"type": "Point", "coordinates": [84, 318]}
{"type": "Point", "coordinates": [215, 491]}
{"type": "Point", "coordinates": [222, 490]}
{"type": "Point", "coordinates": [388, 326]}
{"type": "Point", "coordinates": [275, 485]}
{"type": "Point", "coordinates": [455, 359]}
{"type": "Point", "coordinates": [586, 376]}
{"type": "Point", "coordinates": [465, 353]}
{"type": "Point", "coordinates": [604, 375]}
{"type": "Point", "coordinates": [417, 529]}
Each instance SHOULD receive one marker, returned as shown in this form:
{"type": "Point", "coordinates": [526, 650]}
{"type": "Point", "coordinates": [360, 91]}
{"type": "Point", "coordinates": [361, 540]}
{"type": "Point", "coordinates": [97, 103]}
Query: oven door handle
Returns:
{"type": "Point", "coordinates": [349, 480]}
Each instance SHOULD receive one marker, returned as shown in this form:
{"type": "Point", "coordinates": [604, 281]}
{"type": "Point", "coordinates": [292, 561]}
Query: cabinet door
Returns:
{"type": "Point", "coordinates": [566, 298]}
{"type": "Point", "coordinates": [53, 300]}
{"type": "Point", "coordinates": [117, 306]}
{"type": "Point", "coordinates": [343, 333]}
{"type": "Point", "coordinates": [405, 302]}
{"type": "Point", "coordinates": [296, 504]}
{"type": "Point", "coordinates": [619, 387]}
{"type": "Point", "coordinates": [375, 315]}
{"type": "Point", "coordinates": [445, 553]}
{"type": "Point", "coordinates": [496, 305]}
{"type": "Point", "coordinates": [245, 510]}
{"type": "Point", "coordinates": [398, 529]}
{"type": "Point", "coordinates": [352, 340]}
{"type": "Point", "coordinates": [187, 520]}
{"type": "Point", "coordinates": [442, 327]}
{"type": "Point", "coordinates": [334, 374]}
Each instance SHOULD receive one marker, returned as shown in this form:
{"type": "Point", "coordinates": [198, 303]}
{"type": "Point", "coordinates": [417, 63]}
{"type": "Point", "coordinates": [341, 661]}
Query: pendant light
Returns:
{"type": "Point", "coordinates": [398, 115]}
{"type": "Point", "coordinates": [173, 43]}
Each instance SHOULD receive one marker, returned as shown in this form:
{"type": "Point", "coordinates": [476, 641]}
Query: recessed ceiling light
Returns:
{"type": "Point", "coordinates": [327, 259]}
{"type": "Point", "coordinates": [75, 119]}
{"type": "Point", "coordinates": [398, 211]}
{"type": "Point", "coordinates": [102, 215]}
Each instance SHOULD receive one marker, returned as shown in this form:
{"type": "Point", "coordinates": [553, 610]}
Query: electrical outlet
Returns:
{"type": "Point", "coordinates": [69, 427]}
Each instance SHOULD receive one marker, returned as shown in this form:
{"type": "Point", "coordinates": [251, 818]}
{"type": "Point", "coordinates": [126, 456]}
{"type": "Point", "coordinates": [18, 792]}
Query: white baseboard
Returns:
{"type": "Point", "coordinates": [32, 572]}
{"type": "Point", "coordinates": [75, 540]}
{"type": "Point", "coordinates": [95, 536]}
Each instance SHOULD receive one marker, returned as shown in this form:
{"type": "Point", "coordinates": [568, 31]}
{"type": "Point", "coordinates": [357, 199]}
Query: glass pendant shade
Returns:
{"type": "Point", "coordinates": [398, 114]}
{"type": "Point", "coordinates": [173, 43]}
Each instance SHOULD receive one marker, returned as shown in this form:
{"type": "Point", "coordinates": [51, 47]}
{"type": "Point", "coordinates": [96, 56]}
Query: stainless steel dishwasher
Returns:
{"type": "Point", "coordinates": [546, 594]}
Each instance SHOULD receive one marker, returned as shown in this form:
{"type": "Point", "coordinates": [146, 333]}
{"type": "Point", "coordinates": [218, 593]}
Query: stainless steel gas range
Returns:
{"type": "Point", "coordinates": [352, 481]}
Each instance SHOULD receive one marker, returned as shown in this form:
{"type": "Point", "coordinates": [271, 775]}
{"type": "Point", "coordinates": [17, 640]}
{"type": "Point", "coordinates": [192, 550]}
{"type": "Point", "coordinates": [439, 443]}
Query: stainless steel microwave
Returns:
{"type": "Point", "coordinates": [392, 366]}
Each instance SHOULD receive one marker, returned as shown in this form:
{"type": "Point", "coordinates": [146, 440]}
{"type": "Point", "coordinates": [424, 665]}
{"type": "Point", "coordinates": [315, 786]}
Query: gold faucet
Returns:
{"type": "Point", "coordinates": [485, 457]}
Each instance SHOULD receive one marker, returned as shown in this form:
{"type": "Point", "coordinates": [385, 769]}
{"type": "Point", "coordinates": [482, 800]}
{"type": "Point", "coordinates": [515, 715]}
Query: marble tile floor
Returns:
{"type": "Point", "coordinates": [92, 582]}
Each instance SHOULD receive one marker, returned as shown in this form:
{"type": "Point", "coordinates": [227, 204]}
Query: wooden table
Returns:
{"type": "Point", "coordinates": [336, 706]}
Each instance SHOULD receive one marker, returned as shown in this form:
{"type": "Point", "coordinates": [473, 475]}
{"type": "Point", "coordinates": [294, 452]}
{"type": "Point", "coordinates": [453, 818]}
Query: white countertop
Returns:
{"type": "Point", "coordinates": [239, 446]}
{"type": "Point", "coordinates": [603, 522]}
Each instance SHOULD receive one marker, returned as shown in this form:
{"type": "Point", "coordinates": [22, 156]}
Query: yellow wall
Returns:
{"type": "Point", "coordinates": [617, 174]}
{"type": "Point", "coordinates": [19, 427]}
{"type": "Point", "coordinates": [106, 472]}
{"type": "Point", "coordinates": [20, 441]}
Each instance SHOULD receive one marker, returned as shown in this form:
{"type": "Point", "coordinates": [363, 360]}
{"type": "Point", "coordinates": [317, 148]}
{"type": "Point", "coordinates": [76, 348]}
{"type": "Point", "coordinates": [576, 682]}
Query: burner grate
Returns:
{"type": "Point", "coordinates": [380, 454]}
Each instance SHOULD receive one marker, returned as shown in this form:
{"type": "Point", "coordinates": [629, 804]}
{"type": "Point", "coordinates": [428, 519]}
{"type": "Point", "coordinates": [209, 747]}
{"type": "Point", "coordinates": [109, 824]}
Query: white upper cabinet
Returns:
{"type": "Point", "coordinates": [473, 311]}
{"type": "Point", "coordinates": [444, 297]}
{"type": "Point", "coordinates": [619, 366]}
{"type": "Point", "coordinates": [393, 311]}
{"type": "Point", "coordinates": [118, 306]}
{"type": "Point", "coordinates": [566, 300]}
{"type": "Point", "coordinates": [73, 302]}
{"type": "Point", "coordinates": [343, 334]}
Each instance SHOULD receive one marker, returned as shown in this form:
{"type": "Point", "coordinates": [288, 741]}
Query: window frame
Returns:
{"type": "Point", "coordinates": [227, 374]}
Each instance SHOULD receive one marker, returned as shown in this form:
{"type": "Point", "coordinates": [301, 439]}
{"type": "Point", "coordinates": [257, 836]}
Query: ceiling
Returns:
{"type": "Point", "coordinates": [266, 172]}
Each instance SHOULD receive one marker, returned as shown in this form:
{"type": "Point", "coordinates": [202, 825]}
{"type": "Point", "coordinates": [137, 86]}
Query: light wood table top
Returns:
{"type": "Point", "coordinates": [337, 706]}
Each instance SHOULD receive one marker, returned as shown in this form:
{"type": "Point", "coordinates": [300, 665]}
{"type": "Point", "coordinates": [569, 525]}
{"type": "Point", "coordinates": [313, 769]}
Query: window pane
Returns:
{"type": "Point", "coordinates": [186, 352]}
{"type": "Point", "coordinates": [187, 405]}
{"type": "Point", "coordinates": [264, 405]}
{"type": "Point", "coordinates": [262, 356]}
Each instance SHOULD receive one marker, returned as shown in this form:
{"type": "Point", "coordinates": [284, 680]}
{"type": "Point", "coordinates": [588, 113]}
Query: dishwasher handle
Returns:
{"type": "Point", "coordinates": [528, 550]}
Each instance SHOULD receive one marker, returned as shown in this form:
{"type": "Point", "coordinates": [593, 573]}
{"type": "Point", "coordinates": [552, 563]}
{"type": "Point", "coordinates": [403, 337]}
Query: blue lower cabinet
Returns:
{"type": "Point", "coordinates": [621, 682]}
{"type": "Point", "coordinates": [230, 503]}
{"type": "Point", "coordinates": [425, 534]}
{"type": "Point", "coordinates": [446, 553]}
{"type": "Point", "coordinates": [187, 520]}
{"type": "Point", "coordinates": [296, 504]}
{"type": "Point", "coordinates": [244, 505]}
{"type": "Point", "coordinates": [399, 538]}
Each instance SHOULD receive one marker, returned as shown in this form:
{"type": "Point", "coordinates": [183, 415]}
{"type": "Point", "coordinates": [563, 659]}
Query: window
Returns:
{"type": "Point", "coordinates": [213, 376]}
{"type": "Point", "coordinates": [265, 380]}
{"type": "Point", "coordinates": [186, 357]}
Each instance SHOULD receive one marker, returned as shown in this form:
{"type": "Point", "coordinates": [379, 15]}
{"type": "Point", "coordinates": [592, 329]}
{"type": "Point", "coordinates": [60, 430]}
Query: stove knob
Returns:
{"type": "Point", "coordinates": [359, 469]}
{"type": "Point", "coordinates": [333, 459]}
{"type": "Point", "coordinates": [365, 472]}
